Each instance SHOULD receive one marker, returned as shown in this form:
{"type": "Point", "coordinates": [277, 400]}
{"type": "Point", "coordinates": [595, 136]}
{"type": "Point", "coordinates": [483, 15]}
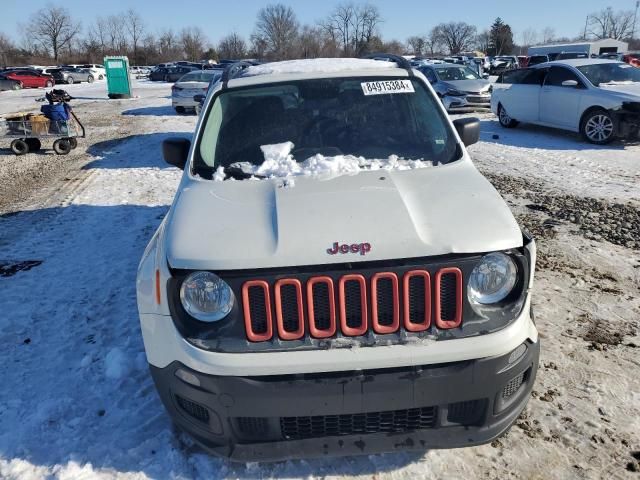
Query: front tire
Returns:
{"type": "Point", "coordinates": [62, 146]}
{"type": "Point", "coordinates": [49, 84]}
{"type": "Point", "coordinates": [90, 79]}
{"type": "Point", "coordinates": [180, 110]}
{"type": "Point", "coordinates": [505, 120]}
{"type": "Point", "coordinates": [19, 146]}
{"type": "Point", "coordinates": [598, 127]}
{"type": "Point", "coordinates": [70, 80]}
{"type": "Point", "coordinates": [73, 142]}
{"type": "Point", "coordinates": [18, 86]}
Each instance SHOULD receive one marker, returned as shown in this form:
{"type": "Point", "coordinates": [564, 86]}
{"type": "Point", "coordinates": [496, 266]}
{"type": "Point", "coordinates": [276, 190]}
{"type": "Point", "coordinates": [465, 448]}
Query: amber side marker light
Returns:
{"type": "Point", "coordinates": [158, 286]}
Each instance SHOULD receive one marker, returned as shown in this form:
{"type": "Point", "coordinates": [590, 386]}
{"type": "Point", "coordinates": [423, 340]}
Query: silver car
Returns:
{"type": "Point", "coordinates": [72, 75]}
{"type": "Point", "coordinates": [459, 87]}
{"type": "Point", "coordinates": [192, 84]}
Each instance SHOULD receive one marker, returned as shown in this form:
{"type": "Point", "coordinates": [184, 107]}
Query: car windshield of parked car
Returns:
{"type": "Point", "coordinates": [456, 73]}
{"type": "Point", "coordinates": [610, 73]}
{"type": "Point", "coordinates": [326, 119]}
{"type": "Point", "coordinates": [200, 76]}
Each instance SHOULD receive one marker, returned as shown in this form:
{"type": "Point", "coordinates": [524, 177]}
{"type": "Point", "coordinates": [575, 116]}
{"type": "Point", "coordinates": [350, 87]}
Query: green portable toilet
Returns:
{"type": "Point", "coordinates": [118, 80]}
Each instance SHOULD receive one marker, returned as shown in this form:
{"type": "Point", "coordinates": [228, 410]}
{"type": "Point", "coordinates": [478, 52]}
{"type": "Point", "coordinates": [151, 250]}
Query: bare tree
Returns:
{"type": "Point", "coordinates": [416, 45]}
{"type": "Point", "coordinates": [529, 37]}
{"type": "Point", "coordinates": [483, 39]}
{"type": "Point", "coordinates": [6, 49]}
{"type": "Point", "coordinates": [432, 42]}
{"type": "Point", "coordinates": [353, 27]}
{"type": "Point", "coordinates": [277, 29]}
{"type": "Point", "coordinates": [135, 26]}
{"type": "Point", "coordinates": [548, 35]}
{"type": "Point", "coordinates": [53, 28]}
{"type": "Point", "coordinates": [97, 35]}
{"type": "Point", "coordinates": [340, 26]}
{"type": "Point", "coordinates": [193, 41]}
{"type": "Point", "coordinates": [457, 36]}
{"type": "Point", "coordinates": [365, 27]}
{"type": "Point", "coordinates": [610, 24]}
{"type": "Point", "coordinates": [116, 35]}
{"type": "Point", "coordinates": [232, 46]}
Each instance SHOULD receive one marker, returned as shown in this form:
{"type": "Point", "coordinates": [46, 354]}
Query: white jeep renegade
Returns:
{"type": "Point", "coordinates": [334, 276]}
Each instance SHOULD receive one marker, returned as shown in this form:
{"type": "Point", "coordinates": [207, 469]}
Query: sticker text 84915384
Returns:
{"type": "Point", "coordinates": [382, 87]}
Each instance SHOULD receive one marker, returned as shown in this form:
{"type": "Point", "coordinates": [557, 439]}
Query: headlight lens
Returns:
{"type": "Point", "coordinates": [492, 279]}
{"type": "Point", "coordinates": [454, 92]}
{"type": "Point", "coordinates": [206, 297]}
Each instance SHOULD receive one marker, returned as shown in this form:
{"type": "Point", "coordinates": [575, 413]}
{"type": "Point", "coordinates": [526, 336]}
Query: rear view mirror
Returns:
{"type": "Point", "coordinates": [175, 151]}
{"type": "Point", "coordinates": [570, 83]}
{"type": "Point", "coordinates": [468, 129]}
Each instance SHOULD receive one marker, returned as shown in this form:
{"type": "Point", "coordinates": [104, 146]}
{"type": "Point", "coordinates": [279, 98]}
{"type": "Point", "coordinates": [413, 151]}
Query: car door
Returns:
{"type": "Point", "coordinates": [520, 98]}
{"type": "Point", "coordinates": [559, 104]}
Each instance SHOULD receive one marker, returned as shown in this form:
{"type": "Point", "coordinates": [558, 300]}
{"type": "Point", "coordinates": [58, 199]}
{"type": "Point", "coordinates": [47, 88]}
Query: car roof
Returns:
{"type": "Point", "coordinates": [316, 68]}
{"type": "Point", "coordinates": [578, 62]}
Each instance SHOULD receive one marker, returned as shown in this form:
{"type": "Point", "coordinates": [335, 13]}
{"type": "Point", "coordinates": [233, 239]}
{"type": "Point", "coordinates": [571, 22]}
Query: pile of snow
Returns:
{"type": "Point", "coordinates": [278, 162]}
{"type": "Point", "coordinates": [318, 65]}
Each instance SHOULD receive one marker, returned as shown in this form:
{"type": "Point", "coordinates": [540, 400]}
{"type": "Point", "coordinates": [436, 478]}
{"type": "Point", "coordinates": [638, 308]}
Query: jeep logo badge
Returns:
{"type": "Point", "coordinates": [361, 248]}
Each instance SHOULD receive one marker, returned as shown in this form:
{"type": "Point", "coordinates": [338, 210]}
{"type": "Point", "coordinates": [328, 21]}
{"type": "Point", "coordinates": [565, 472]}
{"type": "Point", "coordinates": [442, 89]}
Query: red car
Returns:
{"type": "Point", "coordinates": [30, 78]}
{"type": "Point", "coordinates": [632, 58]}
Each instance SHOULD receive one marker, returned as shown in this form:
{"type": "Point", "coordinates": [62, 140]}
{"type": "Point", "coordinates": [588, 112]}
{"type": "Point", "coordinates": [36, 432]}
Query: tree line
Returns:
{"type": "Point", "coordinates": [52, 35]}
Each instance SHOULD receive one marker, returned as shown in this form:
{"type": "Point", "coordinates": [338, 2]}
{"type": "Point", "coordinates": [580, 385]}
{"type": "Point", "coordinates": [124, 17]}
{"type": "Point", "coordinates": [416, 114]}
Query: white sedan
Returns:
{"type": "Point", "coordinates": [598, 98]}
{"type": "Point", "coordinates": [192, 84]}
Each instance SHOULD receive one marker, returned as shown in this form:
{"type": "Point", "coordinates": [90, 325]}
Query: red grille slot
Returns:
{"type": "Point", "coordinates": [416, 288]}
{"type": "Point", "coordinates": [289, 311]}
{"type": "Point", "coordinates": [352, 290]}
{"type": "Point", "coordinates": [385, 303]}
{"type": "Point", "coordinates": [256, 303]}
{"type": "Point", "coordinates": [321, 303]}
{"type": "Point", "coordinates": [448, 290]}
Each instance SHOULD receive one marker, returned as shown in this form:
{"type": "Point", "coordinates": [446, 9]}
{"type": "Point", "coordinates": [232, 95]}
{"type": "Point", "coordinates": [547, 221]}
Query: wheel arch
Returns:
{"type": "Point", "coordinates": [588, 111]}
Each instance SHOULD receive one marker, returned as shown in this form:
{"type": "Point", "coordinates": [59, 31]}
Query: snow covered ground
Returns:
{"type": "Point", "coordinates": [77, 400]}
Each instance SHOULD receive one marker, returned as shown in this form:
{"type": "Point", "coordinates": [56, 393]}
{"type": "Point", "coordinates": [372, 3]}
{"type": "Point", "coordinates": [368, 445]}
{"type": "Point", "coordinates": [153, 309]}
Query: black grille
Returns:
{"type": "Point", "coordinates": [252, 426]}
{"type": "Point", "coordinates": [513, 386]}
{"type": "Point", "coordinates": [466, 413]}
{"type": "Point", "coordinates": [322, 306]}
{"type": "Point", "coordinates": [448, 284]}
{"type": "Point", "coordinates": [258, 308]}
{"type": "Point", "coordinates": [385, 301]}
{"type": "Point", "coordinates": [393, 421]}
{"type": "Point", "coordinates": [416, 299]}
{"type": "Point", "coordinates": [290, 313]}
{"type": "Point", "coordinates": [193, 409]}
{"type": "Point", "coordinates": [353, 303]}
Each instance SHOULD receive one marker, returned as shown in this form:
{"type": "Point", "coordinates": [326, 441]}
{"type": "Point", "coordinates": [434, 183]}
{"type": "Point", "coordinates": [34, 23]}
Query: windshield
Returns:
{"type": "Point", "coordinates": [324, 119]}
{"type": "Point", "coordinates": [456, 73]}
{"type": "Point", "coordinates": [610, 73]}
{"type": "Point", "coordinates": [200, 76]}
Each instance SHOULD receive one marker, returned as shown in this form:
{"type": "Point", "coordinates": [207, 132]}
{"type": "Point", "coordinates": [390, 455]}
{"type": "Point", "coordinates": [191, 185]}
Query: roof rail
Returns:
{"type": "Point", "coordinates": [232, 71]}
{"type": "Point", "coordinates": [389, 57]}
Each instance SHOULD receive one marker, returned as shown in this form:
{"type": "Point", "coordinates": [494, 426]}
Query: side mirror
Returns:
{"type": "Point", "coordinates": [468, 129]}
{"type": "Point", "coordinates": [175, 151]}
{"type": "Point", "coordinates": [570, 83]}
{"type": "Point", "coordinates": [199, 98]}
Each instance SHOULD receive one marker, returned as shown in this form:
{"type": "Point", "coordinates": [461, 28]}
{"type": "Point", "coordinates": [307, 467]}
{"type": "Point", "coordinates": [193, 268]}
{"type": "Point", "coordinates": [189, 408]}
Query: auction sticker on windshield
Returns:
{"type": "Point", "coordinates": [387, 86]}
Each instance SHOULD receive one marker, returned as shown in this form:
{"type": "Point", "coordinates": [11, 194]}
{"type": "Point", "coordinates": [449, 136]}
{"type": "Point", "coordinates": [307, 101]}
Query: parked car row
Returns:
{"type": "Point", "coordinates": [15, 78]}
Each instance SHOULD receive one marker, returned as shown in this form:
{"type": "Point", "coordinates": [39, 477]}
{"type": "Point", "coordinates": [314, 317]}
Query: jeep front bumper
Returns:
{"type": "Point", "coordinates": [266, 418]}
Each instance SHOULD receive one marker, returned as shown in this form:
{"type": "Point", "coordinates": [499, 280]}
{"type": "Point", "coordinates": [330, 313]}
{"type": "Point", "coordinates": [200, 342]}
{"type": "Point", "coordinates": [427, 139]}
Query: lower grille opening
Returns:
{"type": "Point", "coordinates": [470, 412]}
{"type": "Point", "coordinates": [392, 421]}
{"type": "Point", "coordinates": [513, 386]}
{"type": "Point", "coordinates": [193, 409]}
{"type": "Point", "coordinates": [252, 426]}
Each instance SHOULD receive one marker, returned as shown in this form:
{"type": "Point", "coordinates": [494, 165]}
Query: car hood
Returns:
{"type": "Point", "coordinates": [475, 86]}
{"type": "Point", "coordinates": [629, 90]}
{"type": "Point", "coordinates": [401, 214]}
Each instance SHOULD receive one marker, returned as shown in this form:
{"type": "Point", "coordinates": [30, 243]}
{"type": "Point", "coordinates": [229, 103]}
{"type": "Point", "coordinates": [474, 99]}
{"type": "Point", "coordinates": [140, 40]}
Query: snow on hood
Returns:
{"type": "Point", "coordinates": [318, 65]}
{"type": "Point", "coordinates": [631, 89]}
{"type": "Point", "coordinates": [279, 162]}
{"type": "Point", "coordinates": [401, 213]}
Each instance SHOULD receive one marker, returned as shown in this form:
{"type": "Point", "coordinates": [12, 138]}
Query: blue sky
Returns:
{"type": "Point", "coordinates": [402, 17]}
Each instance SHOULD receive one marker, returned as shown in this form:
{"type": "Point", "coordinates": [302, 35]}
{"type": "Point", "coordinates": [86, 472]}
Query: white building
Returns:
{"type": "Point", "coordinates": [596, 47]}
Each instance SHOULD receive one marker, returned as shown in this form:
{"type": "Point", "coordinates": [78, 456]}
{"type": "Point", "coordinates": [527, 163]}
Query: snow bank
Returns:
{"type": "Point", "coordinates": [279, 163]}
{"type": "Point", "coordinates": [318, 65]}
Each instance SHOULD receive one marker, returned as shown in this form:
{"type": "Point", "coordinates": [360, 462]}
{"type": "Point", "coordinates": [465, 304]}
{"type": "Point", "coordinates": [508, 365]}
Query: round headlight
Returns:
{"type": "Point", "coordinates": [492, 279]}
{"type": "Point", "coordinates": [206, 297]}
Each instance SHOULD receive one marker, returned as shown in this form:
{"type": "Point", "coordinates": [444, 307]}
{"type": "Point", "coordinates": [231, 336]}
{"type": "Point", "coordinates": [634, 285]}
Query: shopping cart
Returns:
{"type": "Point", "coordinates": [29, 131]}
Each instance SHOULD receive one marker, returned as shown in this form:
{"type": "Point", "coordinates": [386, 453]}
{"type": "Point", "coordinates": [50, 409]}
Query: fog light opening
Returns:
{"type": "Point", "coordinates": [517, 353]}
{"type": "Point", "coordinates": [187, 377]}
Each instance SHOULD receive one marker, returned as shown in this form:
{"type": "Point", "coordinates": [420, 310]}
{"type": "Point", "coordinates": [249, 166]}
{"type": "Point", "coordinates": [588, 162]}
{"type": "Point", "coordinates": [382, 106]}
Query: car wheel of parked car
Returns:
{"type": "Point", "coordinates": [504, 118]}
{"type": "Point", "coordinates": [100, 77]}
{"type": "Point", "coordinates": [49, 84]}
{"type": "Point", "coordinates": [19, 146]}
{"type": "Point", "coordinates": [597, 126]}
{"type": "Point", "coordinates": [70, 80]}
{"type": "Point", "coordinates": [34, 144]}
{"type": "Point", "coordinates": [18, 86]}
{"type": "Point", "coordinates": [90, 79]}
{"type": "Point", "coordinates": [73, 142]}
{"type": "Point", "coordinates": [62, 146]}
